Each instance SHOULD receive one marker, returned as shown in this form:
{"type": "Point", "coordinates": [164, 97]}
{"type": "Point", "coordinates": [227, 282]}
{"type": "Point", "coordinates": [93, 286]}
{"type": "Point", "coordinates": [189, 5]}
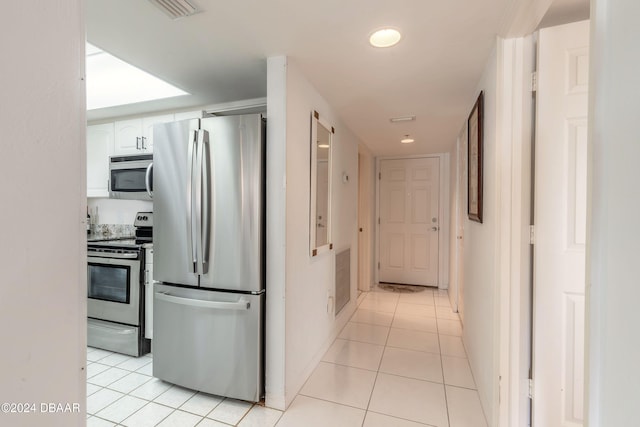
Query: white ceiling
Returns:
{"type": "Point", "coordinates": [219, 55]}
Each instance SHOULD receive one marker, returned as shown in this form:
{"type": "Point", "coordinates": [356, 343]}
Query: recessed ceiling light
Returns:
{"type": "Point", "coordinates": [385, 37]}
{"type": "Point", "coordinates": [402, 119]}
{"type": "Point", "coordinates": [407, 140]}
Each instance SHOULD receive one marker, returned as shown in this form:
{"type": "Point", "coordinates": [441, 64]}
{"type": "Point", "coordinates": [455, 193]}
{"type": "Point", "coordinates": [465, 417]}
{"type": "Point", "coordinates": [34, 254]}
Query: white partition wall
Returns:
{"type": "Point", "coordinates": [613, 251]}
{"type": "Point", "coordinates": [42, 192]}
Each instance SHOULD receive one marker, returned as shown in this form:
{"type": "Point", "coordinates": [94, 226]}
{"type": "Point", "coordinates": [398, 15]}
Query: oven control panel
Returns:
{"type": "Point", "coordinates": [144, 219]}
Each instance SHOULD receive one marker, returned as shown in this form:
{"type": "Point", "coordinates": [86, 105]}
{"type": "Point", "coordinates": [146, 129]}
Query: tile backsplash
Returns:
{"type": "Point", "coordinates": [111, 231]}
{"type": "Point", "coordinates": [113, 211]}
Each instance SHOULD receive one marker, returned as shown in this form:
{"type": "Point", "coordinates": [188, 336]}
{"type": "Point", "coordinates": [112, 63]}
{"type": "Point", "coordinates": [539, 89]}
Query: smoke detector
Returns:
{"type": "Point", "coordinates": [176, 9]}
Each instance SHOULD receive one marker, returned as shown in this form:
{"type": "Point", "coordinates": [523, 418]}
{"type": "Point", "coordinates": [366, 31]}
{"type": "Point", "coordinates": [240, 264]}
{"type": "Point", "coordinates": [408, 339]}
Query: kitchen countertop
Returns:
{"type": "Point", "coordinates": [98, 237]}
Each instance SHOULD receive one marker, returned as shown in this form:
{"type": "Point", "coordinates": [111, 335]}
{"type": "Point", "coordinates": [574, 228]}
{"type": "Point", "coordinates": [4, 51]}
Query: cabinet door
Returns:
{"type": "Point", "coordinates": [147, 129]}
{"type": "Point", "coordinates": [128, 138]}
{"type": "Point", "coordinates": [99, 147]}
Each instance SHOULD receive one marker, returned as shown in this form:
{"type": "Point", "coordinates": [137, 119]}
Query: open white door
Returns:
{"type": "Point", "coordinates": [560, 225]}
{"type": "Point", "coordinates": [409, 221]}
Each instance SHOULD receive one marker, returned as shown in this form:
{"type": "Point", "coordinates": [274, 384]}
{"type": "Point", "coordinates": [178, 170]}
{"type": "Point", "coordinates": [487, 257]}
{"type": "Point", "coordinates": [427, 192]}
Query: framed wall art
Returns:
{"type": "Point", "coordinates": [474, 163]}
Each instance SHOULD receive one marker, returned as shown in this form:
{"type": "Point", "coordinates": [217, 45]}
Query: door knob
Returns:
{"type": "Point", "coordinates": [435, 228]}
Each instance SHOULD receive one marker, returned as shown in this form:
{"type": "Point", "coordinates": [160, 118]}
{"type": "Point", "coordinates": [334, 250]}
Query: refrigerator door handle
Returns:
{"type": "Point", "coordinates": [207, 185]}
{"type": "Point", "coordinates": [193, 138]}
{"type": "Point", "coordinates": [241, 304]}
{"type": "Point", "coordinates": [202, 135]}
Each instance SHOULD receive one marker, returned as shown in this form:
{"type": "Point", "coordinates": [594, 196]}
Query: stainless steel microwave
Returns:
{"type": "Point", "coordinates": [131, 177]}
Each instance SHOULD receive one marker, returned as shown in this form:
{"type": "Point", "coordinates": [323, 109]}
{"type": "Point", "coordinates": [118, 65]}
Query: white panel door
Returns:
{"type": "Point", "coordinates": [560, 222]}
{"type": "Point", "coordinates": [409, 223]}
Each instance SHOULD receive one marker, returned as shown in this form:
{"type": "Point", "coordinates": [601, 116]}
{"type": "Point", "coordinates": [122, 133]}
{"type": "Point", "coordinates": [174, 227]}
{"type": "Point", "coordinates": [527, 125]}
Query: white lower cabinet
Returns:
{"type": "Point", "coordinates": [99, 147]}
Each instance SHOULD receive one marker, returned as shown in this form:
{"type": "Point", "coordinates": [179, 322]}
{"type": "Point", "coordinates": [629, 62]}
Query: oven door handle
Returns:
{"type": "Point", "coordinates": [241, 304]}
{"type": "Point", "coordinates": [112, 255]}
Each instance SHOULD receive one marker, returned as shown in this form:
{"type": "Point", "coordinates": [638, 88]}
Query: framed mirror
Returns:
{"type": "Point", "coordinates": [320, 212]}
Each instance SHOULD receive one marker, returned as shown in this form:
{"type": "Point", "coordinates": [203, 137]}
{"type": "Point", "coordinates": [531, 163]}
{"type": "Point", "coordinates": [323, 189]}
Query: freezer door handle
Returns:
{"type": "Point", "coordinates": [242, 304]}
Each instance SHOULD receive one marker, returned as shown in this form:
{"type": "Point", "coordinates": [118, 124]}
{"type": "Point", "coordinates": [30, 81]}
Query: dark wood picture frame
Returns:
{"type": "Point", "coordinates": [475, 134]}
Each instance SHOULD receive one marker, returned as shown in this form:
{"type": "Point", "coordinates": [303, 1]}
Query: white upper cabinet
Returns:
{"type": "Point", "coordinates": [128, 135]}
{"type": "Point", "coordinates": [100, 140]}
{"type": "Point", "coordinates": [136, 135]}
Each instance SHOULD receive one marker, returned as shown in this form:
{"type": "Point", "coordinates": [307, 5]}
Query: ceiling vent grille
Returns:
{"type": "Point", "coordinates": [176, 8]}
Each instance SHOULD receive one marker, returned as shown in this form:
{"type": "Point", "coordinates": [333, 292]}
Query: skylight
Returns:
{"type": "Point", "coordinates": [112, 82]}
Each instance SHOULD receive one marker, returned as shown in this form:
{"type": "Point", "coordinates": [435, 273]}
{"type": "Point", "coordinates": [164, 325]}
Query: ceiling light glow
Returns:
{"type": "Point", "coordinates": [385, 37]}
{"type": "Point", "coordinates": [112, 82]}
{"type": "Point", "coordinates": [407, 140]}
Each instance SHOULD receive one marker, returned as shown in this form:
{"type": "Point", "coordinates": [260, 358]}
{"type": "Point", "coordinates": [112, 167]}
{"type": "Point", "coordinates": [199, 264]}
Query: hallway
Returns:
{"type": "Point", "coordinates": [399, 362]}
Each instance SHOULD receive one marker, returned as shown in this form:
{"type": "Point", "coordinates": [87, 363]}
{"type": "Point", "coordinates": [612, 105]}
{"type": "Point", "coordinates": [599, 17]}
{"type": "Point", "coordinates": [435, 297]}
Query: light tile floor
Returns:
{"type": "Point", "coordinates": [399, 362]}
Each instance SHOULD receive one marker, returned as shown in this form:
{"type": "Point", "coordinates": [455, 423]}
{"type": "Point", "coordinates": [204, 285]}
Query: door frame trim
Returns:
{"type": "Point", "coordinates": [514, 199]}
{"type": "Point", "coordinates": [443, 212]}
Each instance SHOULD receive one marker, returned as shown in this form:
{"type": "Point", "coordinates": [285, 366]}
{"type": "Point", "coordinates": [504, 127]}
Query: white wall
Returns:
{"type": "Point", "coordinates": [115, 211]}
{"type": "Point", "coordinates": [298, 327]}
{"type": "Point", "coordinates": [43, 187]}
{"type": "Point", "coordinates": [310, 329]}
{"type": "Point", "coordinates": [480, 255]}
{"type": "Point", "coordinates": [613, 289]}
{"type": "Point", "coordinates": [276, 232]}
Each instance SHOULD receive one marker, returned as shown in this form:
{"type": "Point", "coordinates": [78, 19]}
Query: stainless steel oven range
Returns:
{"type": "Point", "coordinates": [115, 306]}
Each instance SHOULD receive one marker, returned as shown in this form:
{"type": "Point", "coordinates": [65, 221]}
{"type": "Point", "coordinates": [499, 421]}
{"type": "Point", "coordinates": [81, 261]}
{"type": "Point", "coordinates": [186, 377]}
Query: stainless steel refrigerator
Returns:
{"type": "Point", "coordinates": [209, 232]}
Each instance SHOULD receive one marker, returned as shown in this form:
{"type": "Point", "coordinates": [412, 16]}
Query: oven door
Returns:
{"type": "Point", "coordinates": [114, 289]}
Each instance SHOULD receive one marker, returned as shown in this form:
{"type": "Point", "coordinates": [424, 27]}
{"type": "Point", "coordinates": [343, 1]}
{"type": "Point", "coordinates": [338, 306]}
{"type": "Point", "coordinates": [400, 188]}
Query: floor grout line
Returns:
{"type": "Point", "coordinates": [384, 350]}
{"type": "Point", "coordinates": [381, 301]}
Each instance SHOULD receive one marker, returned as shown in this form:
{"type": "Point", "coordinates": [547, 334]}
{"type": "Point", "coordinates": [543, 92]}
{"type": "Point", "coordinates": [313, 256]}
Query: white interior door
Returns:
{"type": "Point", "coordinates": [409, 223]}
{"type": "Point", "coordinates": [560, 225]}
